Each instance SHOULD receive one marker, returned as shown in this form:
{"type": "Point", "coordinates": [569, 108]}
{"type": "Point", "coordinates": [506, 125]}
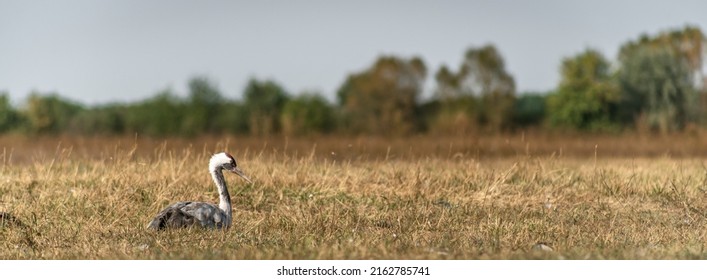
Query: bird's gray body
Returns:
{"type": "Point", "coordinates": [191, 213]}
{"type": "Point", "coordinates": [202, 214]}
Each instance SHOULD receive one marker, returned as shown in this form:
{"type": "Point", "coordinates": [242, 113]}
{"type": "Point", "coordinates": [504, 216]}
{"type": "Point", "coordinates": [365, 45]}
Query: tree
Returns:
{"type": "Point", "coordinates": [530, 109]}
{"type": "Point", "coordinates": [483, 72]}
{"type": "Point", "coordinates": [658, 88]}
{"type": "Point", "coordinates": [587, 97]}
{"type": "Point", "coordinates": [687, 43]}
{"type": "Point", "coordinates": [160, 115]}
{"type": "Point", "coordinates": [9, 117]}
{"type": "Point", "coordinates": [106, 120]}
{"type": "Point", "coordinates": [660, 77]}
{"type": "Point", "coordinates": [482, 89]}
{"type": "Point", "coordinates": [448, 87]}
{"type": "Point", "coordinates": [264, 101]}
{"type": "Point", "coordinates": [383, 98]}
{"type": "Point", "coordinates": [49, 113]}
{"type": "Point", "coordinates": [307, 114]}
{"type": "Point", "coordinates": [233, 117]}
{"type": "Point", "coordinates": [453, 111]}
{"type": "Point", "coordinates": [202, 107]}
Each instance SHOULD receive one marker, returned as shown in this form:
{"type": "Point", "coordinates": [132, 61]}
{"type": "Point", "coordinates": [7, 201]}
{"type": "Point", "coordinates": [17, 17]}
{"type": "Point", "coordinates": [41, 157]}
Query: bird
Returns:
{"type": "Point", "coordinates": [202, 214]}
{"type": "Point", "coordinates": [542, 246]}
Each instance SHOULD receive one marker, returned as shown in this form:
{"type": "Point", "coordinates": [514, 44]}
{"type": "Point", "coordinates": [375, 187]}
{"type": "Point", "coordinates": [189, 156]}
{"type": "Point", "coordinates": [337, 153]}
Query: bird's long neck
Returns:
{"type": "Point", "coordinates": [224, 198]}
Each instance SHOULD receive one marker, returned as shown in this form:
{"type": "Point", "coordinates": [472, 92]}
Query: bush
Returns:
{"type": "Point", "coordinates": [307, 114]}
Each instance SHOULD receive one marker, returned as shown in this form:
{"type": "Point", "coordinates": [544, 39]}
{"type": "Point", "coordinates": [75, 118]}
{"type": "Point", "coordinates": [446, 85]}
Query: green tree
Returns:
{"type": "Point", "coordinates": [49, 113]}
{"type": "Point", "coordinates": [448, 85]}
{"type": "Point", "coordinates": [307, 114]}
{"type": "Point", "coordinates": [9, 117]}
{"type": "Point", "coordinates": [232, 118]}
{"type": "Point", "coordinates": [587, 97]}
{"type": "Point", "coordinates": [530, 109]}
{"type": "Point", "coordinates": [660, 78]}
{"type": "Point", "coordinates": [687, 43]}
{"type": "Point", "coordinates": [202, 108]}
{"type": "Point", "coordinates": [383, 98]}
{"type": "Point", "coordinates": [484, 73]}
{"type": "Point", "coordinates": [264, 101]}
{"type": "Point", "coordinates": [453, 111]}
{"type": "Point", "coordinates": [657, 88]}
{"type": "Point", "coordinates": [160, 115]}
{"type": "Point", "coordinates": [105, 120]}
{"type": "Point", "coordinates": [482, 89]}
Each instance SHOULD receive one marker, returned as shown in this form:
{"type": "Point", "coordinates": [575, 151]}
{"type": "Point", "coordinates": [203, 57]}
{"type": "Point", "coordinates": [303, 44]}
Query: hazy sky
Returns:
{"type": "Point", "coordinates": [101, 51]}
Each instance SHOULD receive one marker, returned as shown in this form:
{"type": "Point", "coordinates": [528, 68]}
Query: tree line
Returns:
{"type": "Point", "coordinates": [656, 85]}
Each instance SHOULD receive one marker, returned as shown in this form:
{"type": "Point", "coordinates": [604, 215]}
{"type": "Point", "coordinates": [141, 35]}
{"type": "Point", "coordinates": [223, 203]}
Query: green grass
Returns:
{"type": "Point", "coordinates": [85, 202]}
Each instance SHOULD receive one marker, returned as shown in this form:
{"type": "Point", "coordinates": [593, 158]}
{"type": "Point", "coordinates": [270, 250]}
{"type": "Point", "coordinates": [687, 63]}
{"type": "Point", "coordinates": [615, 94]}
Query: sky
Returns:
{"type": "Point", "coordinates": [97, 52]}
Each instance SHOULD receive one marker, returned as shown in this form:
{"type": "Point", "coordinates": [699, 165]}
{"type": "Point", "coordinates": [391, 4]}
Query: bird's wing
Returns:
{"type": "Point", "coordinates": [185, 214]}
{"type": "Point", "coordinates": [207, 214]}
{"type": "Point", "coordinates": [172, 217]}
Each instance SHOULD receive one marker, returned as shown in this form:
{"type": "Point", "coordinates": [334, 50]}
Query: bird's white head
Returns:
{"type": "Point", "coordinates": [225, 161]}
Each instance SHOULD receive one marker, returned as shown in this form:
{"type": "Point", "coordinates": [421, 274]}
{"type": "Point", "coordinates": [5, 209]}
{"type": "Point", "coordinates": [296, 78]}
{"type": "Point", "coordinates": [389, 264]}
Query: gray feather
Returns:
{"type": "Point", "coordinates": [188, 213]}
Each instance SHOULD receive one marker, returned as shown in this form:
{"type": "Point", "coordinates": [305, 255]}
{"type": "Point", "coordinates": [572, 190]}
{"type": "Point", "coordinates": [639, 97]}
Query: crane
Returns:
{"type": "Point", "coordinates": [203, 214]}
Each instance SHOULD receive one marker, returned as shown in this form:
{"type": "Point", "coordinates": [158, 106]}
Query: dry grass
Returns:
{"type": "Point", "coordinates": [417, 198]}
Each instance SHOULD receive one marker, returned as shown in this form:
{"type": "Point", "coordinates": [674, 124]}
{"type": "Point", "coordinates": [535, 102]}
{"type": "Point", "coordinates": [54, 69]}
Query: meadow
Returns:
{"type": "Point", "coordinates": [421, 197]}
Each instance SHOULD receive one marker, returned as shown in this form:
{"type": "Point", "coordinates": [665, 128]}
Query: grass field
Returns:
{"type": "Point", "coordinates": [596, 197]}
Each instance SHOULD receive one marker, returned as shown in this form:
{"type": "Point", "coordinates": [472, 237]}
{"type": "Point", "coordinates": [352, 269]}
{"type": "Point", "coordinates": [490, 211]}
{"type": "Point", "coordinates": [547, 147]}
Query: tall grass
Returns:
{"type": "Point", "coordinates": [359, 198]}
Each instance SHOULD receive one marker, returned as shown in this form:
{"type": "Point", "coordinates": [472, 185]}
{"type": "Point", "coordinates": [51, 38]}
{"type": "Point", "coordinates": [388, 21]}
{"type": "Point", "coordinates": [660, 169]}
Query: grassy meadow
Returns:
{"type": "Point", "coordinates": [494, 197]}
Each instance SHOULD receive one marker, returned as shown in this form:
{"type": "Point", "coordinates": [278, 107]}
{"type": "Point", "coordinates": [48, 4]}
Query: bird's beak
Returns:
{"type": "Point", "coordinates": [240, 173]}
